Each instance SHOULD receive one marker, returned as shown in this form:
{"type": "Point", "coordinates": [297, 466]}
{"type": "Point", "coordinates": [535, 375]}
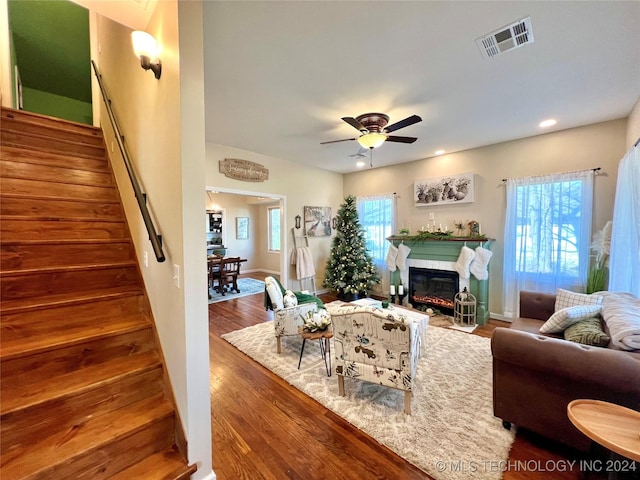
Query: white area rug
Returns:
{"type": "Point", "coordinates": [451, 434]}
{"type": "Point", "coordinates": [247, 286]}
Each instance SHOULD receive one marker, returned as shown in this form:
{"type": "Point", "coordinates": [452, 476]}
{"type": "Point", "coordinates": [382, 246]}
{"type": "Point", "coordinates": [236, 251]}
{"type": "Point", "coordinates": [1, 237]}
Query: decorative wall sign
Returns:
{"type": "Point", "coordinates": [317, 221]}
{"type": "Point", "coordinates": [244, 170]}
{"type": "Point", "coordinates": [242, 228]}
{"type": "Point", "coordinates": [443, 190]}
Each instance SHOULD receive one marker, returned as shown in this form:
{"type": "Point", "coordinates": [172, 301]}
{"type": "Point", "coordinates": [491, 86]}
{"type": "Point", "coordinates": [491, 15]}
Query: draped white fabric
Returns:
{"type": "Point", "coordinates": [624, 261]}
{"type": "Point", "coordinates": [377, 217]}
{"type": "Point", "coordinates": [547, 235]}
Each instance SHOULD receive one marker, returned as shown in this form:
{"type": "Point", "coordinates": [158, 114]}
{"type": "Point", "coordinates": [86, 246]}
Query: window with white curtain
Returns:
{"type": "Point", "coordinates": [547, 234]}
{"type": "Point", "coordinates": [376, 215]}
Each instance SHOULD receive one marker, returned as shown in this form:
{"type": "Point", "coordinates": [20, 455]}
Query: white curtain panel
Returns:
{"type": "Point", "coordinates": [624, 261]}
{"type": "Point", "coordinates": [547, 235]}
{"type": "Point", "coordinates": [377, 216]}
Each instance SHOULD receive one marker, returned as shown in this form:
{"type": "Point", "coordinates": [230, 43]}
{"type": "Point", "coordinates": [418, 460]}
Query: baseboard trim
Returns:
{"type": "Point", "coordinates": [498, 316]}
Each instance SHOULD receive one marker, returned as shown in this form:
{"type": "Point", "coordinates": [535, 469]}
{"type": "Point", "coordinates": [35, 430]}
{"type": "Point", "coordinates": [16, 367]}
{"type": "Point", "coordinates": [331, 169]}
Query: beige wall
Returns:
{"type": "Point", "coordinates": [238, 206]}
{"type": "Point", "coordinates": [298, 184]}
{"type": "Point", "coordinates": [599, 145]}
{"type": "Point", "coordinates": [163, 122]}
{"type": "Point", "coordinates": [6, 88]}
{"type": "Point", "coordinates": [633, 125]}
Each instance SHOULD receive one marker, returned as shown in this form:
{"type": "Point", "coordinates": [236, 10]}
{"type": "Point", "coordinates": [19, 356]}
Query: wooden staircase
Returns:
{"type": "Point", "coordinates": [84, 392]}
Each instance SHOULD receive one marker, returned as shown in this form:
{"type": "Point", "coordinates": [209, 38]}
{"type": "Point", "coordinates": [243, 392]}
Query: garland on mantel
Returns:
{"type": "Point", "coordinates": [444, 236]}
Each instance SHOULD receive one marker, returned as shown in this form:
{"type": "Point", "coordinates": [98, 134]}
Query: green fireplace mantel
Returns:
{"type": "Point", "coordinates": [448, 250]}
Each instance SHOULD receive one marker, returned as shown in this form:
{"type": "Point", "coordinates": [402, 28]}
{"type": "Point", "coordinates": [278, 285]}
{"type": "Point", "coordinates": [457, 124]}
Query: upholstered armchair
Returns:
{"type": "Point", "coordinates": [288, 313]}
{"type": "Point", "coordinates": [376, 345]}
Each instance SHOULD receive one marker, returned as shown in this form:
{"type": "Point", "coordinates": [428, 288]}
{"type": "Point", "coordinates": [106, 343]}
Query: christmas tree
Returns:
{"type": "Point", "coordinates": [350, 270]}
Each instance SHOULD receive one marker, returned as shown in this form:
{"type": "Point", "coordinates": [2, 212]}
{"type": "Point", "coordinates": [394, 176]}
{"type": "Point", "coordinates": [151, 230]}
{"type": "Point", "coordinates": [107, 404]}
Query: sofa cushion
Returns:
{"type": "Point", "coordinates": [275, 293]}
{"type": "Point", "coordinates": [566, 298]}
{"type": "Point", "coordinates": [588, 332]}
{"type": "Point", "coordinates": [566, 317]}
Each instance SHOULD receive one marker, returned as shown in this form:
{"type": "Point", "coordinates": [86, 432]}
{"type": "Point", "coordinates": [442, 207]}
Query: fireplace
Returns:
{"type": "Point", "coordinates": [433, 288]}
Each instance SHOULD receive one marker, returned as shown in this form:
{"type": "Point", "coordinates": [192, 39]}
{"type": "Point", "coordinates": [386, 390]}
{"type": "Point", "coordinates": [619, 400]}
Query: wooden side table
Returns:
{"type": "Point", "coordinates": [325, 347]}
{"type": "Point", "coordinates": [615, 427]}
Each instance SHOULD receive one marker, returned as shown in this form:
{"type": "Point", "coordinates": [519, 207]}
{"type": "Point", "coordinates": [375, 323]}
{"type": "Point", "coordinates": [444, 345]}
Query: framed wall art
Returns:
{"type": "Point", "coordinates": [317, 221]}
{"type": "Point", "coordinates": [242, 228]}
{"type": "Point", "coordinates": [443, 190]}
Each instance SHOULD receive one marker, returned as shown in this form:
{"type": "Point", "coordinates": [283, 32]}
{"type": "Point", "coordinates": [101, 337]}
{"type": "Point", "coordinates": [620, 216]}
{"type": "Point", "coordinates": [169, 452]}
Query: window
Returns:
{"type": "Point", "coordinates": [547, 234]}
{"type": "Point", "coordinates": [376, 215]}
{"type": "Point", "coordinates": [274, 229]}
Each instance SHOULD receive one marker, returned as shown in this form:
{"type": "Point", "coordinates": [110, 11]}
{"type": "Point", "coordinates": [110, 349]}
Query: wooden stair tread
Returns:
{"type": "Point", "coordinates": [52, 301]}
{"type": "Point", "coordinates": [75, 382]}
{"type": "Point", "coordinates": [61, 338]}
{"type": "Point", "coordinates": [68, 241]}
{"type": "Point", "coordinates": [66, 268]}
{"type": "Point", "coordinates": [42, 457]}
{"type": "Point", "coordinates": [166, 465]}
{"type": "Point", "coordinates": [8, 196]}
{"type": "Point", "coordinates": [59, 218]}
{"type": "Point", "coordinates": [40, 118]}
{"type": "Point", "coordinates": [36, 157]}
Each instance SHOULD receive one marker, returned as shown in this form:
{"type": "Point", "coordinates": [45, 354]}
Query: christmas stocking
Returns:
{"type": "Point", "coordinates": [465, 258]}
{"type": "Point", "coordinates": [391, 258]}
{"type": "Point", "coordinates": [480, 262]}
{"type": "Point", "coordinates": [401, 259]}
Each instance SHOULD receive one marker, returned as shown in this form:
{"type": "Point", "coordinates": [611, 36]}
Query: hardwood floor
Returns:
{"type": "Point", "coordinates": [264, 428]}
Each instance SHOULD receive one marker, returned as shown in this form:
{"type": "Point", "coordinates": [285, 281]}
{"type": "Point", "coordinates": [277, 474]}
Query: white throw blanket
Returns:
{"type": "Point", "coordinates": [304, 263]}
{"type": "Point", "coordinates": [621, 312]}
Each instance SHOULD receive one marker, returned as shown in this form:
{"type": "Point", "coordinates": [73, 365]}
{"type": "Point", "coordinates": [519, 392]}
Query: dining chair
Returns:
{"type": "Point", "coordinates": [229, 271]}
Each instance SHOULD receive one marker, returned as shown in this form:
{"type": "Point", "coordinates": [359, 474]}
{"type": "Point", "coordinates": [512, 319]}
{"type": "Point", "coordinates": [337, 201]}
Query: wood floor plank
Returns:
{"type": "Point", "coordinates": [263, 428]}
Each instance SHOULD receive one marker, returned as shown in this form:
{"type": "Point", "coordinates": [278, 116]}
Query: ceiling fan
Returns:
{"type": "Point", "coordinates": [374, 130]}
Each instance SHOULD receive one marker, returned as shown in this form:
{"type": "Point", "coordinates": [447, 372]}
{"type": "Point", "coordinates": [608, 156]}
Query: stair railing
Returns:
{"type": "Point", "coordinates": [154, 238]}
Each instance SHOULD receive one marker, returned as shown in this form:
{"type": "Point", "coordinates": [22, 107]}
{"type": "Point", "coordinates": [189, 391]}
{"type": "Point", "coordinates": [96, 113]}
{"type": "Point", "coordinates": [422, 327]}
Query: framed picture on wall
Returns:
{"type": "Point", "coordinates": [443, 190]}
{"type": "Point", "coordinates": [317, 221]}
{"type": "Point", "coordinates": [242, 228]}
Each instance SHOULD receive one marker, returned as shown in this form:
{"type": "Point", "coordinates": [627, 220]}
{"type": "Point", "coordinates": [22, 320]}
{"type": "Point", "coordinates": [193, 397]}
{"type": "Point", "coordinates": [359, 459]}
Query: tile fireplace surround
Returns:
{"type": "Point", "coordinates": [442, 255]}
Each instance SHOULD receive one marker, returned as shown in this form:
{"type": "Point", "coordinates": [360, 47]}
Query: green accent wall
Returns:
{"type": "Point", "coordinates": [50, 39]}
{"type": "Point", "coordinates": [53, 105]}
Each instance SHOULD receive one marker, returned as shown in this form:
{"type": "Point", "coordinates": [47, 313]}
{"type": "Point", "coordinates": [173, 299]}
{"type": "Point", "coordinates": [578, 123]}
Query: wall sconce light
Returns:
{"type": "Point", "coordinates": [298, 218]}
{"type": "Point", "coordinates": [334, 222]}
{"type": "Point", "coordinates": [146, 48]}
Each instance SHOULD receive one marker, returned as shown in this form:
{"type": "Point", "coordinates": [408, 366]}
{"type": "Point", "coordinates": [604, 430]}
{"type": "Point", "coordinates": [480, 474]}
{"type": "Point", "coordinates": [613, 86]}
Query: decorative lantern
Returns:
{"type": "Point", "coordinates": [464, 314]}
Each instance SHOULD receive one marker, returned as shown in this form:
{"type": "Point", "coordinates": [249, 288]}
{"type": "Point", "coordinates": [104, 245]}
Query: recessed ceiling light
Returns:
{"type": "Point", "coordinates": [360, 164]}
{"type": "Point", "coordinates": [439, 152]}
{"type": "Point", "coordinates": [547, 123]}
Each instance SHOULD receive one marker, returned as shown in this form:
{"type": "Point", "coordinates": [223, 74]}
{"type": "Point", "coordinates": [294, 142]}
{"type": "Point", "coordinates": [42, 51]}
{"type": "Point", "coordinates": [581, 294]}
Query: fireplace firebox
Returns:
{"type": "Point", "coordinates": [433, 288]}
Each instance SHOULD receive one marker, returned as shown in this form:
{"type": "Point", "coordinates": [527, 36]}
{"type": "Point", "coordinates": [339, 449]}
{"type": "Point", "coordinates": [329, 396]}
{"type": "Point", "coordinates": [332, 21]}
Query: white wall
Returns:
{"type": "Point", "coordinates": [633, 125]}
{"type": "Point", "coordinates": [6, 88]}
{"type": "Point", "coordinates": [301, 185]}
{"type": "Point", "coordinates": [599, 145]}
{"type": "Point", "coordinates": [163, 123]}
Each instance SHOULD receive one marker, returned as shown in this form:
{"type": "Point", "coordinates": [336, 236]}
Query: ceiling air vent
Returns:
{"type": "Point", "coordinates": [506, 38]}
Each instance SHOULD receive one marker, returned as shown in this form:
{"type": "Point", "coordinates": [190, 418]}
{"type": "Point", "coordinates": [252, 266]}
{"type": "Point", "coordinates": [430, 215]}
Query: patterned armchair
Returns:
{"type": "Point", "coordinates": [376, 345]}
{"type": "Point", "coordinates": [287, 313]}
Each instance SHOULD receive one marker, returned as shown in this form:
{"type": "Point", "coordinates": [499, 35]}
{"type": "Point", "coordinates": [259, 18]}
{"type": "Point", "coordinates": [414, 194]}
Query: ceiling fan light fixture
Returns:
{"type": "Point", "coordinates": [372, 139]}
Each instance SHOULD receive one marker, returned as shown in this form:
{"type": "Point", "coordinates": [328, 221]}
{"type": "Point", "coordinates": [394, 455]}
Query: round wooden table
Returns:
{"type": "Point", "coordinates": [325, 347]}
{"type": "Point", "coordinates": [612, 426]}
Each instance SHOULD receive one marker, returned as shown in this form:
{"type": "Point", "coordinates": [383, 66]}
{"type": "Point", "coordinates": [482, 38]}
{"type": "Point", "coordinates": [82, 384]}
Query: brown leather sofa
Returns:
{"type": "Point", "coordinates": [535, 376]}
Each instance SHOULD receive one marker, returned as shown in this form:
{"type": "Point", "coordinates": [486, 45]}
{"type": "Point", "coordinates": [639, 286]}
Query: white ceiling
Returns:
{"type": "Point", "coordinates": [280, 75]}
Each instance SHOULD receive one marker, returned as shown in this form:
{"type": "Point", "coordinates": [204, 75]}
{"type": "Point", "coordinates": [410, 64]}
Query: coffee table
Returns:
{"type": "Point", "coordinates": [613, 426]}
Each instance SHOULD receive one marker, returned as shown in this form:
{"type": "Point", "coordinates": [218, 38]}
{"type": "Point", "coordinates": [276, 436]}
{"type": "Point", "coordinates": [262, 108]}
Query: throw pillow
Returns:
{"type": "Point", "coordinates": [401, 259]}
{"type": "Point", "coordinates": [392, 254]}
{"type": "Point", "coordinates": [290, 299]}
{"type": "Point", "coordinates": [566, 298]}
{"type": "Point", "coordinates": [588, 332]}
{"type": "Point", "coordinates": [274, 292]}
{"type": "Point", "coordinates": [566, 317]}
{"type": "Point", "coordinates": [464, 260]}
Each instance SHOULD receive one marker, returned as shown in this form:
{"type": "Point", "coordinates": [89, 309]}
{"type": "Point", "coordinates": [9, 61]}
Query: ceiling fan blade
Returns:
{"type": "Point", "coordinates": [395, 138]}
{"type": "Point", "coordinates": [355, 124]}
{"type": "Point", "coordinates": [336, 141]}
{"type": "Point", "coordinates": [403, 123]}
